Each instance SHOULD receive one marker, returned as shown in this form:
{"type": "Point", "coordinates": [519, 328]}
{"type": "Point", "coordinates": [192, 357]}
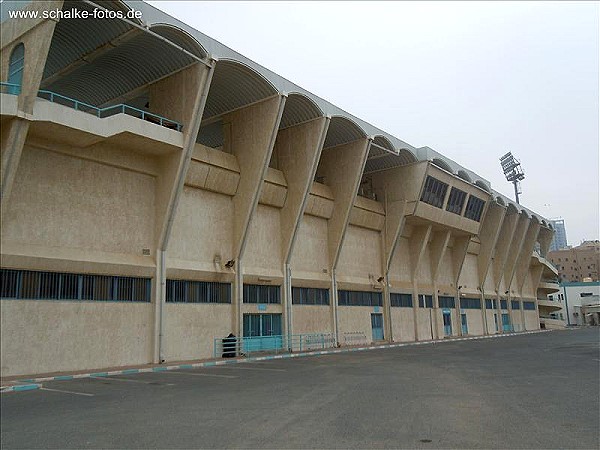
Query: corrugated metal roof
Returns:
{"type": "Point", "coordinates": [341, 131]}
{"type": "Point", "coordinates": [181, 38]}
{"type": "Point", "coordinates": [234, 85]}
{"type": "Point", "coordinates": [134, 63]}
{"type": "Point", "coordinates": [298, 109]}
{"type": "Point", "coordinates": [74, 39]}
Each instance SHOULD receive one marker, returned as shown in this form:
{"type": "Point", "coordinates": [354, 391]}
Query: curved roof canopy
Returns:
{"type": "Point", "coordinates": [342, 131]}
{"type": "Point", "coordinates": [298, 109]}
{"type": "Point", "coordinates": [464, 175]}
{"type": "Point", "coordinates": [442, 164]}
{"type": "Point", "coordinates": [234, 84]}
{"type": "Point", "coordinates": [482, 185]}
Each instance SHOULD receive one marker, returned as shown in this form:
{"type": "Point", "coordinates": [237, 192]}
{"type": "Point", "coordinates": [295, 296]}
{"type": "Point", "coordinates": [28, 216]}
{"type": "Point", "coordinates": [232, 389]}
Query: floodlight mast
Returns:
{"type": "Point", "coordinates": [513, 172]}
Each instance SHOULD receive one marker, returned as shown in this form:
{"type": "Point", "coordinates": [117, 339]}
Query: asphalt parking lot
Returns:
{"type": "Point", "coordinates": [530, 391]}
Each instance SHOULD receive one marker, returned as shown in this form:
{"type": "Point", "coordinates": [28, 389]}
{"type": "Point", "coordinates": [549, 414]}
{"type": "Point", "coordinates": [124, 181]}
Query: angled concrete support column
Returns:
{"type": "Point", "coordinates": [503, 246]}
{"type": "Point", "coordinates": [395, 218]}
{"type": "Point", "coordinates": [417, 246]}
{"type": "Point", "coordinates": [342, 167]}
{"type": "Point", "coordinates": [173, 169]}
{"type": "Point", "coordinates": [459, 253]}
{"type": "Point", "coordinates": [36, 36]}
{"type": "Point", "coordinates": [524, 258]}
{"type": "Point", "coordinates": [298, 148]}
{"type": "Point", "coordinates": [545, 239]}
{"type": "Point", "coordinates": [437, 250]}
{"type": "Point", "coordinates": [515, 249]}
{"type": "Point", "coordinates": [253, 131]}
{"type": "Point", "coordinates": [488, 236]}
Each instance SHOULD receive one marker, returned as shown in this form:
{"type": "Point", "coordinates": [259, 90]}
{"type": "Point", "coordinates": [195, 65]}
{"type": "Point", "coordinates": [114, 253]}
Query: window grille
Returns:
{"type": "Point", "coordinates": [456, 200]}
{"type": "Point", "coordinates": [359, 298]}
{"type": "Point", "coordinates": [425, 301]}
{"type": "Point", "coordinates": [470, 303]}
{"type": "Point", "coordinates": [187, 291]}
{"type": "Point", "coordinates": [474, 208]}
{"type": "Point", "coordinates": [310, 296]}
{"type": "Point", "coordinates": [434, 192]}
{"type": "Point", "coordinates": [401, 300]}
{"type": "Point", "coordinates": [37, 285]}
{"type": "Point", "coordinates": [446, 302]}
{"type": "Point", "coordinates": [258, 293]}
{"type": "Point", "coordinates": [491, 303]}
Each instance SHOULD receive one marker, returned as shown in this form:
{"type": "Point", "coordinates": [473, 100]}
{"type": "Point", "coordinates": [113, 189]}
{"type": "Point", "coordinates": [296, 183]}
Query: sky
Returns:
{"type": "Point", "coordinates": [471, 80]}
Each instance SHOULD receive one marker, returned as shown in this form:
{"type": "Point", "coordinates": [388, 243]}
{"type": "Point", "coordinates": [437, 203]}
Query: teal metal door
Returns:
{"type": "Point", "coordinates": [262, 332]}
{"type": "Point", "coordinates": [505, 322]}
{"type": "Point", "coordinates": [377, 326]}
{"type": "Point", "coordinates": [447, 317]}
{"type": "Point", "coordinates": [463, 323]}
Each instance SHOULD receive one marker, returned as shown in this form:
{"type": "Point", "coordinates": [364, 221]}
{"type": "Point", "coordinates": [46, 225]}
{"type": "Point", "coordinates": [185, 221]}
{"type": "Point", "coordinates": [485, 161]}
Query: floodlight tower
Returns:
{"type": "Point", "coordinates": [513, 172]}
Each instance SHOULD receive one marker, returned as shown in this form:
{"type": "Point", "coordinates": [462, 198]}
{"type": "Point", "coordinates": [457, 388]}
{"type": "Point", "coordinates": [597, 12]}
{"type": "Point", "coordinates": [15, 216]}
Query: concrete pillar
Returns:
{"type": "Point", "coordinates": [193, 83]}
{"type": "Point", "coordinates": [251, 138]}
{"type": "Point", "coordinates": [417, 245]}
{"type": "Point", "coordinates": [437, 250]}
{"type": "Point", "coordinates": [298, 149]}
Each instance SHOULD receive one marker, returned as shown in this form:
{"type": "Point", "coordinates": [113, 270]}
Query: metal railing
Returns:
{"type": "Point", "coordinates": [245, 346]}
{"type": "Point", "coordinates": [354, 338]}
{"type": "Point", "coordinates": [109, 110]}
{"type": "Point", "coordinates": [15, 89]}
{"type": "Point", "coordinates": [10, 88]}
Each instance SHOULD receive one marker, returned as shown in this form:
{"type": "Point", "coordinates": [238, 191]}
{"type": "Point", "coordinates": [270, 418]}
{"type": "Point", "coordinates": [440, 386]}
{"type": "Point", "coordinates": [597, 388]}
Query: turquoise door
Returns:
{"type": "Point", "coordinates": [262, 332]}
{"type": "Point", "coordinates": [505, 322]}
{"type": "Point", "coordinates": [463, 323]}
{"type": "Point", "coordinates": [447, 317]}
{"type": "Point", "coordinates": [377, 326]}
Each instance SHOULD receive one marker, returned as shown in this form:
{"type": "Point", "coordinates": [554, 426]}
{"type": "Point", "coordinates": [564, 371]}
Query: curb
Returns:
{"type": "Point", "coordinates": [20, 387]}
{"type": "Point", "coordinates": [33, 383]}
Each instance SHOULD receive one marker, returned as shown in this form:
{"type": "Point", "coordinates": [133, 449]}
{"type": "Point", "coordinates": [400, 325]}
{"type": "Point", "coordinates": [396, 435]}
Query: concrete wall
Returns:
{"type": "Point", "coordinates": [403, 327]}
{"type": "Point", "coordinates": [190, 329]}
{"type": "Point", "coordinates": [62, 201]}
{"type": "Point", "coordinates": [355, 319]}
{"type": "Point", "coordinates": [308, 319]}
{"type": "Point", "coordinates": [532, 320]}
{"type": "Point", "coordinates": [425, 323]}
{"type": "Point", "coordinates": [40, 336]}
{"type": "Point", "coordinates": [474, 322]}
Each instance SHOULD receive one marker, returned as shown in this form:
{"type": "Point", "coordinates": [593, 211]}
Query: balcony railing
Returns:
{"type": "Point", "coordinates": [15, 89]}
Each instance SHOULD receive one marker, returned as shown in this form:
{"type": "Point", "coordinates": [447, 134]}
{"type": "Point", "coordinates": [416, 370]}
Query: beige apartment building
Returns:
{"type": "Point", "coordinates": [577, 264]}
{"type": "Point", "coordinates": [161, 191]}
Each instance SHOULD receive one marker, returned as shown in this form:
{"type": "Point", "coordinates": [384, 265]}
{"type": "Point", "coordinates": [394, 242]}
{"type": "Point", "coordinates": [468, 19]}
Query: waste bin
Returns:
{"type": "Point", "coordinates": [229, 344]}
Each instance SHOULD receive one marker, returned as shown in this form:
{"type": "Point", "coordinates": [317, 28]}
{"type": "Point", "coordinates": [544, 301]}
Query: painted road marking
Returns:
{"type": "Point", "coordinates": [67, 392]}
{"type": "Point", "coordinates": [253, 368]}
{"type": "Point", "coordinates": [196, 374]}
{"type": "Point", "coordinates": [111, 378]}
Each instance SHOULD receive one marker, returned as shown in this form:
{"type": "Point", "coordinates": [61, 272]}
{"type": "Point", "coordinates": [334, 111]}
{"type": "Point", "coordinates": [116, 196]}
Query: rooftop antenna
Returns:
{"type": "Point", "coordinates": [513, 172]}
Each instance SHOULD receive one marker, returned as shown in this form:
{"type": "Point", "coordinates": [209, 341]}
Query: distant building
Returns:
{"type": "Point", "coordinates": [560, 236]}
{"type": "Point", "coordinates": [576, 299]}
{"type": "Point", "coordinates": [578, 263]}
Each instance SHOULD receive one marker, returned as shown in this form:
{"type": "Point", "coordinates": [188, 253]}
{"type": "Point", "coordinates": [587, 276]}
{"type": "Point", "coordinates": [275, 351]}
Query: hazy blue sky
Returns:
{"type": "Point", "coordinates": [470, 80]}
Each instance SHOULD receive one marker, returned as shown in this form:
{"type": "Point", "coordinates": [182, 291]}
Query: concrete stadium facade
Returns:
{"type": "Point", "coordinates": [160, 191]}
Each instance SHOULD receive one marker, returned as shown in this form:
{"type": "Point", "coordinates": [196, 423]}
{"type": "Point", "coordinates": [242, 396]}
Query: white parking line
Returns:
{"type": "Point", "coordinates": [196, 374]}
{"type": "Point", "coordinates": [231, 366]}
{"type": "Point", "coordinates": [66, 392]}
{"type": "Point", "coordinates": [129, 381]}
